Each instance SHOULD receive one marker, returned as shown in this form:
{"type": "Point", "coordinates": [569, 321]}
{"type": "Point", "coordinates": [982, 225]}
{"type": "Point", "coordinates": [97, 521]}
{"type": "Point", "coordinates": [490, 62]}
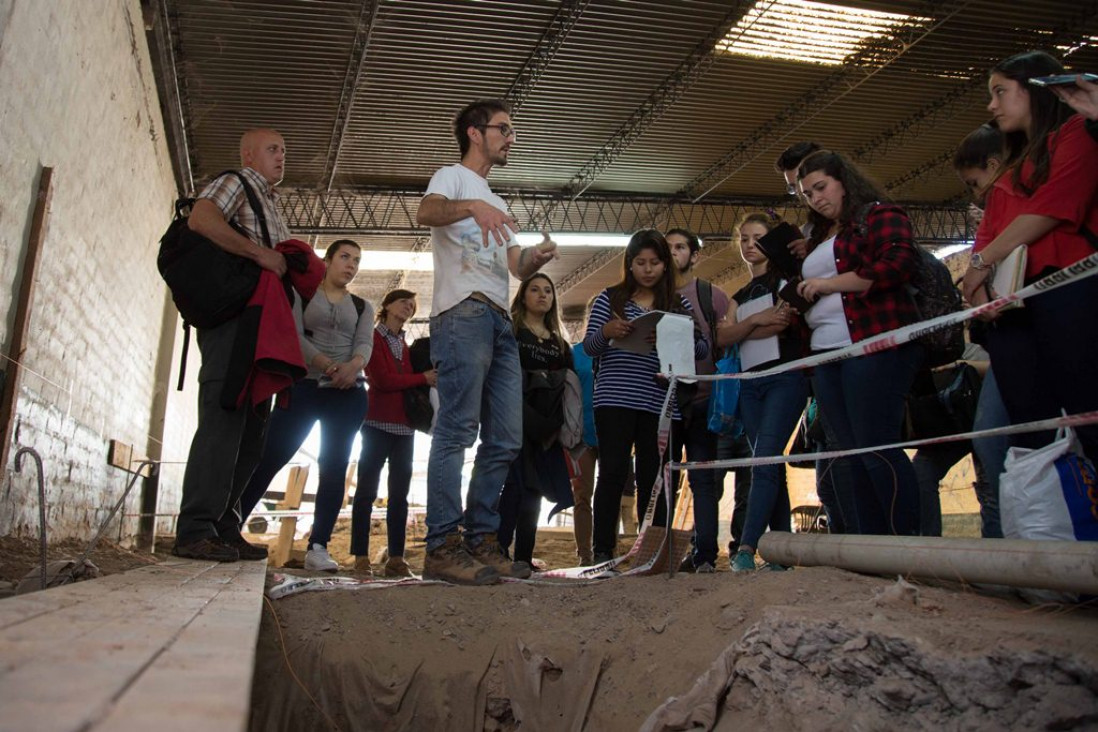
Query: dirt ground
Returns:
{"type": "Point", "coordinates": [808, 649]}
{"type": "Point", "coordinates": [18, 556]}
{"type": "Point", "coordinates": [805, 649]}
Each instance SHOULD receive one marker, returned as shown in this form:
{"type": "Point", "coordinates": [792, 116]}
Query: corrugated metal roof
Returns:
{"type": "Point", "coordinates": [630, 96]}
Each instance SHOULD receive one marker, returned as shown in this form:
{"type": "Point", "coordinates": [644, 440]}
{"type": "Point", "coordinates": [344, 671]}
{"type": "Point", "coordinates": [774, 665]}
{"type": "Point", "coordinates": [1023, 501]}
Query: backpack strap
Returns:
{"type": "Point", "coordinates": [705, 302]}
{"type": "Point", "coordinates": [257, 207]}
{"type": "Point", "coordinates": [360, 304]}
{"type": "Point", "coordinates": [183, 357]}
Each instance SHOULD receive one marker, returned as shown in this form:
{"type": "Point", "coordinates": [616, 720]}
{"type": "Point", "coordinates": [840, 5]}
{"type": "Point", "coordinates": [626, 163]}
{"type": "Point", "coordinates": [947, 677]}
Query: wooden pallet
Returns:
{"type": "Point", "coordinates": [165, 647]}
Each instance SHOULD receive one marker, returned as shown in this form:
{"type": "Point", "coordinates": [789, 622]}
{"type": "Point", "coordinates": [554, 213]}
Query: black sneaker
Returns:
{"type": "Point", "coordinates": [208, 550]}
{"type": "Point", "coordinates": [247, 550]}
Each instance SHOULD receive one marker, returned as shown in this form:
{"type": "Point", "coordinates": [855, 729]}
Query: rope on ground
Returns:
{"type": "Point", "coordinates": [290, 667]}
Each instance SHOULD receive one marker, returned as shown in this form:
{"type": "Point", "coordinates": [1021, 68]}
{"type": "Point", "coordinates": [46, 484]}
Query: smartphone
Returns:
{"type": "Point", "coordinates": [1061, 79]}
{"type": "Point", "coordinates": [789, 295]}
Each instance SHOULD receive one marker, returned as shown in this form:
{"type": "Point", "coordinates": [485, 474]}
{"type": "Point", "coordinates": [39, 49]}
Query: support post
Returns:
{"type": "Point", "coordinates": [23, 308]}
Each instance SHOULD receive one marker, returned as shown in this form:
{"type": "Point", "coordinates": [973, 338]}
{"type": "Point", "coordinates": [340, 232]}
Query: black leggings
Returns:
{"type": "Point", "coordinates": [621, 433]}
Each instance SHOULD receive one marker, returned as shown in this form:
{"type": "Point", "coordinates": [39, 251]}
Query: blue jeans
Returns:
{"type": "Point", "coordinates": [377, 447]}
{"type": "Point", "coordinates": [340, 412]}
{"type": "Point", "coordinates": [701, 446]}
{"type": "Point", "coordinates": [479, 388]}
{"type": "Point", "coordinates": [991, 453]}
{"type": "Point", "coordinates": [770, 408]}
{"type": "Point", "coordinates": [863, 402]}
{"type": "Point", "coordinates": [736, 448]}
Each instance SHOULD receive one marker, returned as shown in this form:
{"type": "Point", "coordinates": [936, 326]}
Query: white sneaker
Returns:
{"type": "Point", "coordinates": [318, 559]}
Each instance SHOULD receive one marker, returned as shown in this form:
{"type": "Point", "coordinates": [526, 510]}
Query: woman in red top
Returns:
{"type": "Point", "coordinates": [861, 256]}
{"type": "Point", "coordinates": [1047, 200]}
{"type": "Point", "coordinates": [386, 435]}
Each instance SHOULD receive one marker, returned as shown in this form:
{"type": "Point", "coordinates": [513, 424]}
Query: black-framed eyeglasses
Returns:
{"type": "Point", "coordinates": [504, 129]}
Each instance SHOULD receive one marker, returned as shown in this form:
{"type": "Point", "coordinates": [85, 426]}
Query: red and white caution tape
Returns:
{"type": "Point", "coordinates": [1080, 270]}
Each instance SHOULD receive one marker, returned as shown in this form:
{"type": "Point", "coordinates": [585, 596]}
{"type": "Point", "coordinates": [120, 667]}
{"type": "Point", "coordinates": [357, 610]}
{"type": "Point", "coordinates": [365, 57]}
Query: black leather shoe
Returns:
{"type": "Point", "coordinates": [246, 550]}
{"type": "Point", "coordinates": [208, 550]}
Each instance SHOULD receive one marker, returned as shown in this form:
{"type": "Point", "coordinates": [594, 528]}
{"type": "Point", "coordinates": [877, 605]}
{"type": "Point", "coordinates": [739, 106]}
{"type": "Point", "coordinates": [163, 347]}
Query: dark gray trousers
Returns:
{"type": "Point", "coordinates": [225, 450]}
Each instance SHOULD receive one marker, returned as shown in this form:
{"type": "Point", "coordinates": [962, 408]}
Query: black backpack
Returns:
{"type": "Point", "coordinates": [417, 400]}
{"type": "Point", "coordinates": [934, 294]}
{"type": "Point", "coordinates": [209, 285]}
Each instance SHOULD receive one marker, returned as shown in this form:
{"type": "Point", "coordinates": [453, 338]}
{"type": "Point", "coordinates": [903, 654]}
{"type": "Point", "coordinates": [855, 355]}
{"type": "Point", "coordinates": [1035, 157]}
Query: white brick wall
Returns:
{"type": "Point", "coordinates": [78, 96]}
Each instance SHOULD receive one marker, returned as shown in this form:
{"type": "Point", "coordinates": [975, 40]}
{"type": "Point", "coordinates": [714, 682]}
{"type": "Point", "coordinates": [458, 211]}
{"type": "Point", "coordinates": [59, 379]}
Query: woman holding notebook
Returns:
{"type": "Point", "coordinates": [1046, 199]}
{"type": "Point", "coordinates": [769, 333]}
{"type": "Point", "coordinates": [628, 396]}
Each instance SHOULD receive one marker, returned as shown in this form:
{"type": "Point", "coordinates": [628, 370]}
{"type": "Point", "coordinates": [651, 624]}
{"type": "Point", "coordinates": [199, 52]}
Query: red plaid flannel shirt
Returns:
{"type": "Point", "coordinates": [885, 254]}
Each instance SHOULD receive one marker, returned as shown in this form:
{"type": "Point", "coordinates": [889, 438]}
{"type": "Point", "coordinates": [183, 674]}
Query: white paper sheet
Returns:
{"type": "Point", "coordinates": [675, 344]}
{"type": "Point", "coordinates": [757, 350]}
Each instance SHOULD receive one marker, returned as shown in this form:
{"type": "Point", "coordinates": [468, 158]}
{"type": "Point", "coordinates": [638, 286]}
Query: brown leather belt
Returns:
{"type": "Point", "coordinates": [481, 297]}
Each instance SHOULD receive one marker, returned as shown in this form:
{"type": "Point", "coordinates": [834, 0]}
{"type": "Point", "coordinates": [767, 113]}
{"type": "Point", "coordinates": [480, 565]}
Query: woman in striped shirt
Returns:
{"type": "Point", "coordinates": [628, 396]}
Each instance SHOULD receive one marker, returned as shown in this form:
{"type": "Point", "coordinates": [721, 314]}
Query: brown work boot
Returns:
{"type": "Point", "coordinates": [362, 566]}
{"type": "Point", "coordinates": [451, 562]}
{"type": "Point", "coordinates": [489, 553]}
{"type": "Point", "coordinates": [397, 567]}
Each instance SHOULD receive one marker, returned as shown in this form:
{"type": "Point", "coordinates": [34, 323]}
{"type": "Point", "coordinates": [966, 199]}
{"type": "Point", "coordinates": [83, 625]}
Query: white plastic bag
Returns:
{"type": "Point", "coordinates": [1049, 493]}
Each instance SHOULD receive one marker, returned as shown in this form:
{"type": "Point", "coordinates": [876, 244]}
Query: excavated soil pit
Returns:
{"type": "Point", "coordinates": [807, 649]}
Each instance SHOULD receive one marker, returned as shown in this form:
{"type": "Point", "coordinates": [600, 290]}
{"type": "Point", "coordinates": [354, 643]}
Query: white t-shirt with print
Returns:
{"type": "Point", "coordinates": [463, 265]}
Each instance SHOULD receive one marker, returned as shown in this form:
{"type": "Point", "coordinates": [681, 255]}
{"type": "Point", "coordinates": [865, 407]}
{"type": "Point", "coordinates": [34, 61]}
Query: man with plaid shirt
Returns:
{"type": "Point", "coordinates": [228, 443]}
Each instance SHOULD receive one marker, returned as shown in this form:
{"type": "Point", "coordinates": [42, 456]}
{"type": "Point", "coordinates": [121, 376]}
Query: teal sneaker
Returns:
{"type": "Point", "coordinates": [744, 561]}
{"type": "Point", "coordinates": [774, 567]}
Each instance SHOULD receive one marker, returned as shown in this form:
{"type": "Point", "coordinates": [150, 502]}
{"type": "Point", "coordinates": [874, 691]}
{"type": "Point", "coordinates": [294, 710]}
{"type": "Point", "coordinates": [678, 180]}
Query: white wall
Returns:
{"type": "Point", "coordinates": [78, 96]}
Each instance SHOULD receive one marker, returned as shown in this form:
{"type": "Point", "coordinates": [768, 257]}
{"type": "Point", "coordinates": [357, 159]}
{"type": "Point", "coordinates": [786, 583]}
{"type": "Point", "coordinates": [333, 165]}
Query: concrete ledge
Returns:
{"type": "Point", "coordinates": [165, 647]}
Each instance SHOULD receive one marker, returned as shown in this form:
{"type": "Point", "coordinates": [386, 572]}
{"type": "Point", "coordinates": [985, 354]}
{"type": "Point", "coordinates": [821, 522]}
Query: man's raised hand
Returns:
{"type": "Point", "coordinates": [500, 224]}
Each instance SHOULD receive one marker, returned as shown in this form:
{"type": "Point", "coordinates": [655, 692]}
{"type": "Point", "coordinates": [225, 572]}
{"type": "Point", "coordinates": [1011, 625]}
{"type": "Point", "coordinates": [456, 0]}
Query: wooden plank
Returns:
{"type": "Point", "coordinates": [284, 545]}
{"type": "Point", "coordinates": [21, 608]}
{"type": "Point", "coordinates": [103, 659]}
{"type": "Point", "coordinates": [203, 680]}
{"type": "Point", "coordinates": [350, 480]}
{"type": "Point", "coordinates": [295, 487]}
{"type": "Point", "coordinates": [23, 310]}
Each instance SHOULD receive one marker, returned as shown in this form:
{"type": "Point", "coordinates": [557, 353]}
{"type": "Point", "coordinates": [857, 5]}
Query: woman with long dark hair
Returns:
{"type": "Point", "coordinates": [769, 333]}
{"type": "Point", "coordinates": [386, 435]}
{"type": "Point", "coordinates": [540, 469]}
{"type": "Point", "coordinates": [334, 328]}
{"type": "Point", "coordinates": [1046, 199]}
{"type": "Point", "coordinates": [861, 257]}
{"type": "Point", "coordinates": [628, 396]}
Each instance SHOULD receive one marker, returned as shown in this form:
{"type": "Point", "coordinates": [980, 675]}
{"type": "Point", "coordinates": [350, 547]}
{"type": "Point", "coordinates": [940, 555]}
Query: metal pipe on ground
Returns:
{"type": "Point", "coordinates": [1064, 566]}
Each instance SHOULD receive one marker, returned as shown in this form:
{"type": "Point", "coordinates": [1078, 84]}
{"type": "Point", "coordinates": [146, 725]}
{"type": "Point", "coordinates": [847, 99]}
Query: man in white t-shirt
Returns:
{"type": "Point", "coordinates": [474, 349]}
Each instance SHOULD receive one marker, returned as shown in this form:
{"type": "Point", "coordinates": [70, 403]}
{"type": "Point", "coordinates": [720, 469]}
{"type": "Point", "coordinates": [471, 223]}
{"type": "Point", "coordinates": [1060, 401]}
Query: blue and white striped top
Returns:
{"type": "Point", "coordinates": [627, 379]}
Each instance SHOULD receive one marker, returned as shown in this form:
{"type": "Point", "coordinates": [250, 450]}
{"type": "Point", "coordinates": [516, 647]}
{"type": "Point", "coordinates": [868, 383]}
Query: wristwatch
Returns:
{"type": "Point", "coordinates": [977, 262]}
